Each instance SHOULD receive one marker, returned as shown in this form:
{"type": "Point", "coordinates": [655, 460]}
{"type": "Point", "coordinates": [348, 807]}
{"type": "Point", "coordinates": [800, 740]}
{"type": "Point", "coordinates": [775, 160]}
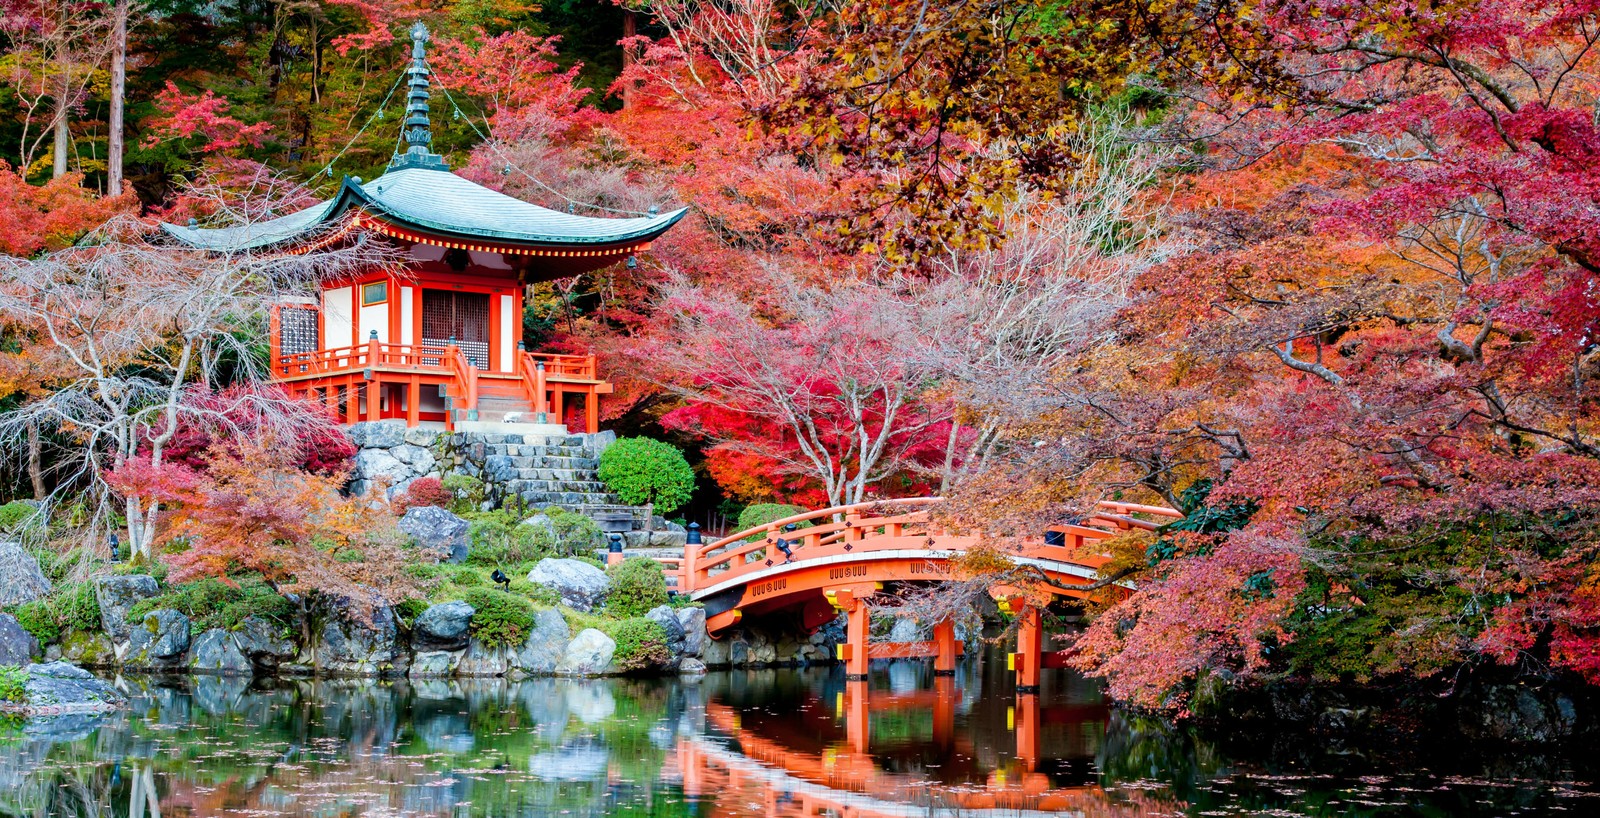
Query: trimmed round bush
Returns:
{"type": "Point", "coordinates": [763, 513]}
{"type": "Point", "coordinates": [644, 471]}
{"type": "Point", "coordinates": [499, 618]}
{"type": "Point", "coordinates": [637, 585]}
{"type": "Point", "coordinates": [641, 644]}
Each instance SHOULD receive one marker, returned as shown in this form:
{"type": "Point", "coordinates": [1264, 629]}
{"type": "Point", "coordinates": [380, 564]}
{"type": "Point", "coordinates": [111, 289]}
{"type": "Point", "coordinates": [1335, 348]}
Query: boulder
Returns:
{"type": "Point", "coordinates": [691, 666]}
{"type": "Point", "coordinates": [545, 645]}
{"type": "Point", "coordinates": [117, 595]}
{"type": "Point", "coordinates": [438, 531]}
{"type": "Point", "coordinates": [373, 465]}
{"type": "Point", "coordinates": [17, 646]}
{"type": "Point", "coordinates": [588, 654]}
{"type": "Point", "coordinates": [442, 627]}
{"type": "Point", "coordinates": [159, 640]}
{"type": "Point", "coordinates": [693, 622]}
{"type": "Point", "coordinates": [61, 687]}
{"type": "Point", "coordinates": [217, 651]}
{"type": "Point", "coordinates": [262, 642]}
{"type": "Point", "coordinates": [482, 660]}
{"type": "Point", "coordinates": [581, 586]}
{"type": "Point", "coordinates": [434, 664]}
{"type": "Point", "coordinates": [351, 646]}
{"type": "Point", "coordinates": [421, 436]}
{"type": "Point", "coordinates": [20, 578]}
{"type": "Point", "coordinates": [377, 434]}
{"type": "Point", "coordinates": [667, 618]}
{"type": "Point", "coordinates": [904, 630]}
{"type": "Point", "coordinates": [715, 653]}
{"type": "Point", "coordinates": [88, 649]}
{"type": "Point", "coordinates": [418, 458]}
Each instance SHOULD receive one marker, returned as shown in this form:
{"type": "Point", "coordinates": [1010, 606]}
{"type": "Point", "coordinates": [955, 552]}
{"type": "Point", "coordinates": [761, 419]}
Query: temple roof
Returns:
{"type": "Point", "coordinates": [418, 198]}
{"type": "Point", "coordinates": [439, 203]}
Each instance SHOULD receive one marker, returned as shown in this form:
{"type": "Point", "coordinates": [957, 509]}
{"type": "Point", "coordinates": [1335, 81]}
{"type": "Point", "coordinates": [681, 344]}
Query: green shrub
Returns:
{"type": "Point", "coordinates": [13, 684]}
{"type": "Point", "coordinates": [498, 538]}
{"type": "Point", "coordinates": [499, 618]}
{"type": "Point", "coordinates": [637, 585]}
{"type": "Point", "coordinates": [644, 471]}
{"type": "Point", "coordinates": [78, 609]}
{"type": "Point", "coordinates": [211, 603]}
{"type": "Point", "coordinates": [17, 515]}
{"type": "Point", "coordinates": [641, 644]}
{"type": "Point", "coordinates": [576, 533]}
{"type": "Point", "coordinates": [468, 492]}
{"type": "Point", "coordinates": [39, 619]}
{"type": "Point", "coordinates": [763, 513]}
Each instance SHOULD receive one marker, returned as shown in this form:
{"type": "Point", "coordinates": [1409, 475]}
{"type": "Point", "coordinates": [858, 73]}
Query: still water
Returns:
{"type": "Point", "coordinates": [745, 743]}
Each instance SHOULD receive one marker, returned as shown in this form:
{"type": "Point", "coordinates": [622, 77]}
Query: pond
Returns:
{"type": "Point", "coordinates": [739, 743]}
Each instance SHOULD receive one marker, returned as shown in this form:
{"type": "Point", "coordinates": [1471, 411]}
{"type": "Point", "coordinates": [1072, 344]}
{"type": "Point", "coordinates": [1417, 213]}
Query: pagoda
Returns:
{"type": "Point", "coordinates": [438, 339]}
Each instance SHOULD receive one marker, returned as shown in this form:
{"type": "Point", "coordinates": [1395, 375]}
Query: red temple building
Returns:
{"type": "Point", "coordinates": [439, 340]}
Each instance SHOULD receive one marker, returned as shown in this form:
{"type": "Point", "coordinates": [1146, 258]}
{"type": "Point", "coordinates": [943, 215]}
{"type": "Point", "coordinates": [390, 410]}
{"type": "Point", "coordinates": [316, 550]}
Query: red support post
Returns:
{"type": "Point", "coordinates": [1030, 649]}
{"type": "Point", "coordinates": [944, 636]}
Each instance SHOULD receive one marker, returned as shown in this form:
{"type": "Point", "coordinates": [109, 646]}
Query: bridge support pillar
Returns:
{"type": "Point", "coordinates": [1030, 649]}
{"type": "Point", "coordinates": [858, 628]}
{"type": "Point", "coordinates": [858, 624]}
{"type": "Point", "coordinates": [944, 638]}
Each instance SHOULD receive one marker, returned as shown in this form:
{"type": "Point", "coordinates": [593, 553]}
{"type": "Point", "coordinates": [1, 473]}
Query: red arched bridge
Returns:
{"type": "Point", "coordinates": [847, 554]}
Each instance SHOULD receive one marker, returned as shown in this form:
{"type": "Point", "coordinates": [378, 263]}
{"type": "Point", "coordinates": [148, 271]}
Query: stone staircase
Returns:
{"type": "Point", "coordinates": [554, 470]}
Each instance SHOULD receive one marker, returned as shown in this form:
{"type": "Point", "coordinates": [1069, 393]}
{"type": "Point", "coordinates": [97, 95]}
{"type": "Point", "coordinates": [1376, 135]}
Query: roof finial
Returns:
{"type": "Point", "coordinates": [418, 130]}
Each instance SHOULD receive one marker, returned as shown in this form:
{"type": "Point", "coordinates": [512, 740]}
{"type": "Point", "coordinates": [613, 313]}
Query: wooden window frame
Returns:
{"type": "Point", "coordinates": [371, 284]}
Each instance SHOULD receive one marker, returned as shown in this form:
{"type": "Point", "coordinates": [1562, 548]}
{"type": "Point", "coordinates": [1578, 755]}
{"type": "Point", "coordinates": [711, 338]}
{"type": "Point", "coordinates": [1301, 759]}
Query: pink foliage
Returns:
{"type": "Point", "coordinates": [203, 116]}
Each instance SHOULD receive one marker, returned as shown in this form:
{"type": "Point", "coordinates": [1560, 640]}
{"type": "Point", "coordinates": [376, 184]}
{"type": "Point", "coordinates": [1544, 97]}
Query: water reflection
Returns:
{"type": "Point", "coordinates": [757, 743]}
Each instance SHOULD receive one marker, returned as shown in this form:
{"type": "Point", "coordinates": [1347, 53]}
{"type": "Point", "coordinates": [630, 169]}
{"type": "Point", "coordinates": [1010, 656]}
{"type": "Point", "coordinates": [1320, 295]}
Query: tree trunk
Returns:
{"type": "Point", "coordinates": [35, 467]}
{"type": "Point", "coordinates": [63, 133]}
{"type": "Point", "coordinates": [119, 87]}
{"type": "Point", "coordinates": [630, 28]}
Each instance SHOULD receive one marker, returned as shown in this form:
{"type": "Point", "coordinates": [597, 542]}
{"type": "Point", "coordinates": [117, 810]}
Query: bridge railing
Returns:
{"type": "Point", "coordinates": [851, 530]}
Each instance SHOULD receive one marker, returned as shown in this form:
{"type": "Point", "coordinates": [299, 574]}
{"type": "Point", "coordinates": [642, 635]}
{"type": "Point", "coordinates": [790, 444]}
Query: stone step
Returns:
{"type": "Point", "coordinates": [580, 486]}
{"type": "Point", "coordinates": [564, 499]}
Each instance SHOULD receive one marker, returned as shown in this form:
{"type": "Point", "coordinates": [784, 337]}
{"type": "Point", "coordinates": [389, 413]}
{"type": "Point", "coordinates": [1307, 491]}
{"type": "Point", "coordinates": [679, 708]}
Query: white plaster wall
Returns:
{"type": "Point", "coordinates": [336, 311]}
{"type": "Point", "coordinates": [375, 317]}
{"type": "Point", "coordinates": [407, 315]}
{"type": "Point", "coordinates": [509, 327]}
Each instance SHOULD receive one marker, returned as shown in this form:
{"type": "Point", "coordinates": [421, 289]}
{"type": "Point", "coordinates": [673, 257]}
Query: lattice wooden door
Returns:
{"type": "Point", "coordinates": [462, 316]}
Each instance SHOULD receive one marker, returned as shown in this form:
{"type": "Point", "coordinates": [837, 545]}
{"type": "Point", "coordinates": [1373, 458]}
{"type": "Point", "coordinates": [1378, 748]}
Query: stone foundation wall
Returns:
{"type": "Point", "coordinates": [539, 469]}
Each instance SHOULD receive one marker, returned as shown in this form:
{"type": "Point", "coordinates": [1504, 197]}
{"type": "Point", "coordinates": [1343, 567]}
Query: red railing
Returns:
{"type": "Point", "coordinates": [882, 525]}
{"type": "Point", "coordinates": [533, 372]}
{"type": "Point", "coordinates": [564, 367]}
{"type": "Point", "coordinates": [464, 386]}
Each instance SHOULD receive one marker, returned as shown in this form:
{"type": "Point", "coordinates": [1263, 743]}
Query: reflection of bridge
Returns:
{"type": "Point", "coordinates": [848, 781]}
{"type": "Point", "coordinates": [847, 554]}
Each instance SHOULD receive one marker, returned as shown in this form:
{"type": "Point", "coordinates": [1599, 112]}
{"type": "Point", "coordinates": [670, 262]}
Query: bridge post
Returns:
{"type": "Point", "coordinates": [944, 637]}
{"type": "Point", "coordinates": [1030, 649]}
{"type": "Point", "coordinates": [858, 624]}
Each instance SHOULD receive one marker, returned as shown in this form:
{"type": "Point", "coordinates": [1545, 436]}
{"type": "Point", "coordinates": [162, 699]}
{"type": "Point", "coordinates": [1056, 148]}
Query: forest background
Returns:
{"type": "Point", "coordinates": [1320, 274]}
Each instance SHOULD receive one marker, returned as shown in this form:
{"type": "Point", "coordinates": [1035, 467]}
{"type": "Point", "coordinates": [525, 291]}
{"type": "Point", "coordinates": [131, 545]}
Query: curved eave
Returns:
{"type": "Point", "coordinates": [639, 229]}
{"type": "Point", "coordinates": [352, 195]}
